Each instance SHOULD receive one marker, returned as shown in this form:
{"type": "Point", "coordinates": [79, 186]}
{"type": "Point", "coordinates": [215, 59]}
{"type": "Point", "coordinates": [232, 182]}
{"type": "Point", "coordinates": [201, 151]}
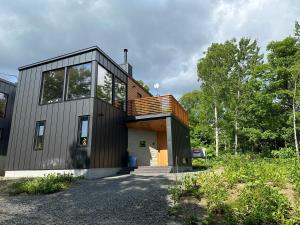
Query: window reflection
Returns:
{"type": "Point", "coordinates": [120, 94]}
{"type": "Point", "coordinates": [52, 86]}
{"type": "Point", "coordinates": [79, 81]}
{"type": "Point", "coordinates": [104, 85]}
{"type": "Point", "coordinates": [3, 103]}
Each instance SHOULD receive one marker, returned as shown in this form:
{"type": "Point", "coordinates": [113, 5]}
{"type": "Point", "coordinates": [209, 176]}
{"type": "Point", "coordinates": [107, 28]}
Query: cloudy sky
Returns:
{"type": "Point", "coordinates": [165, 38]}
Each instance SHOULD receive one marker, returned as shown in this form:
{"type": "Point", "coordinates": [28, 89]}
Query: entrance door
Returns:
{"type": "Point", "coordinates": [162, 148]}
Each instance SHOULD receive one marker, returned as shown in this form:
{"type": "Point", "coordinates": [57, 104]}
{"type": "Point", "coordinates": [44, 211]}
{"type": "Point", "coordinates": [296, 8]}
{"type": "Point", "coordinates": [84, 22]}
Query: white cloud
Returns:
{"type": "Point", "coordinates": [165, 38]}
{"type": "Point", "coordinates": [264, 20]}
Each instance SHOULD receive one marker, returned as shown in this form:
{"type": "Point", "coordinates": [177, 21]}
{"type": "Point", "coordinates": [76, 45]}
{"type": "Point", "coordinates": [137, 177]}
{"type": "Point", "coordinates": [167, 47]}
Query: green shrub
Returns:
{"type": "Point", "coordinates": [190, 186]}
{"type": "Point", "coordinates": [260, 204]}
{"type": "Point", "coordinates": [43, 185]}
{"type": "Point", "coordinates": [213, 187]}
{"type": "Point", "coordinates": [248, 189]}
{"type": "Point", "coordinates": [284, 153]}
{"type": "Point", "coordinates": [175, 193]}
{"type": "Point", "coordinates": [192, 220]}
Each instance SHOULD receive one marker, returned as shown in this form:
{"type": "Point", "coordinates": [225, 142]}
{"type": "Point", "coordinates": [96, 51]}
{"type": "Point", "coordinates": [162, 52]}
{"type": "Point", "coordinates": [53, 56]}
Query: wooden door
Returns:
{"type": "Point", "coordinates": [162, 148]}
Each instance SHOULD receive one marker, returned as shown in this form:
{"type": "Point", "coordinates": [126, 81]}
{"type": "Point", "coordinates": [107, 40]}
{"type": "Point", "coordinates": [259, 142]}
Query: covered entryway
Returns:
{"type": "Point", "coordinates": [147, 140]}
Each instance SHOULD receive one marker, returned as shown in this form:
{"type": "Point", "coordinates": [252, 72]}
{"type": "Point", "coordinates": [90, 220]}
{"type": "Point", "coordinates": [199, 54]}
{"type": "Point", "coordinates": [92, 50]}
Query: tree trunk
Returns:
{"type": "Point", "coordinates": [236, 125]}
{"type": "Point", "coordinates": [217, 131]}
{"type": "Point", "coordinates": [294, 121]}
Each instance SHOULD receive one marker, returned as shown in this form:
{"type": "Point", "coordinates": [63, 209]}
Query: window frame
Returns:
{"type": "Point", "coordinates": [66, 82]}
{"type": "Point", "coordinates": [112, 84]}
{"type": "Point", "coordinates": [79, 126]}
{"type": "Point", "coordinates": [37, 124]}
{"type": "Point", "coordinates": [114, 94]}
{"type": "Point", "coordinates": [42, 87]}
{"type": "Point", "coordinates": [5, 109]}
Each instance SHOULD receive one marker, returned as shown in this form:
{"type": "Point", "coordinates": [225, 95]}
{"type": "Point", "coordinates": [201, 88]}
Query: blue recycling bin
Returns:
{"type": "Point", "coordinates": [132, 161]}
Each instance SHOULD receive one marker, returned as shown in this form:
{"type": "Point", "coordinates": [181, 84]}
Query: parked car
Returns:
{"type": "Point", "coordinates": [199, 153]}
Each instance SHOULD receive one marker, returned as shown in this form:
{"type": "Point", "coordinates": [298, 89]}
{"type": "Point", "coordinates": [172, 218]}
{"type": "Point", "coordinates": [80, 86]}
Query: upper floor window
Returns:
{"type": "Point", "coordinates": [3, 103]}
{"type": "Point", "coordinates": [39, 135]}
{"type": "Point", "coordinates": [52, 86]}
{"type": "Point", "coordinates": [139, 95]}
{"type": "Point", "coordinates": [79, 81]}
{"type": "Point", "coordinates": [120, 94]}
{"type": "Point", "coordinates": [104, 85]}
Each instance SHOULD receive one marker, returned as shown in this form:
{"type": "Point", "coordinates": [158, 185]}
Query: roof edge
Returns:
{"type": "Point", "coordinates": [8, 82]}
{"type": "Point", "coordinates": [73, 54]}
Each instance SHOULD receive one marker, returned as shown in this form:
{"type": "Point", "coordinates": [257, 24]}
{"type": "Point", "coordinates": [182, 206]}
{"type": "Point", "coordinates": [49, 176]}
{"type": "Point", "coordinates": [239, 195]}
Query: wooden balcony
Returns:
{"type": "Point", "coordinates": [155, 105]}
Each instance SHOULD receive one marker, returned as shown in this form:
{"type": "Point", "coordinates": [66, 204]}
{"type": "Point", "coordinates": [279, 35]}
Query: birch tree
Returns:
{"type": "Point", "coordinates": [247, 57]}
{"type": "Point", "coordinates": [213, 70]}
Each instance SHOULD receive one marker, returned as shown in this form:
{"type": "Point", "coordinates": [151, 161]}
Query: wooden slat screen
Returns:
{"type": "Point", "coordinates": [154, 105]}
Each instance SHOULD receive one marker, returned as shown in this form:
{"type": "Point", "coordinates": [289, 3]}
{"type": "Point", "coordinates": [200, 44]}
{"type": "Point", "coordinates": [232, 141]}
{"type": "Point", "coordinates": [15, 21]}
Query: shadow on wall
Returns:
{"type": "Point", "coordinates": [79, 158]}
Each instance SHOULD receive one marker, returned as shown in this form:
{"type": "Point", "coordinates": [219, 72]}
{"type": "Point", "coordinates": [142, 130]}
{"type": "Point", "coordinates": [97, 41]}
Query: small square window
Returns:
{"type": "Point", "coordinates": [142, 144]}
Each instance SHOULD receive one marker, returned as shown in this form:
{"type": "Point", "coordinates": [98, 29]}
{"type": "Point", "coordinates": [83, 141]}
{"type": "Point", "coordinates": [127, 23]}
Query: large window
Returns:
{"type": "Point", "coordinates": [52, 86]}
{"type": "Point", "coordinates": [83, 131]}
{"type": "Point", "coordinates": [104, 85]}
{"type": "Point", "coordinates": [39, 135]}
{"type": "Point", "coordinates": [3, 103]}
{"type": "Point", "coordinates": [120, 94]}
{"type": "Point", "coordinates": [79, 81]}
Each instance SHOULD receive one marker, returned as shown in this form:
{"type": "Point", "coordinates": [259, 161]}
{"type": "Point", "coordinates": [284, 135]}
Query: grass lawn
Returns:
{"type": "Point", "coordinates": [43, 185]}
{"type": "Point", "coordinates": [244, 189]}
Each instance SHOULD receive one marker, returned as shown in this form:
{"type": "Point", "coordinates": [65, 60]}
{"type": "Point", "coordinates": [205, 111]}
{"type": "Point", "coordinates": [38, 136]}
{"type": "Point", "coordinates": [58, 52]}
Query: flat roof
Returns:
{"type": "Point", "coordinates": [8, 82]}
{"type": "Point", "coordinates": [78, 52]}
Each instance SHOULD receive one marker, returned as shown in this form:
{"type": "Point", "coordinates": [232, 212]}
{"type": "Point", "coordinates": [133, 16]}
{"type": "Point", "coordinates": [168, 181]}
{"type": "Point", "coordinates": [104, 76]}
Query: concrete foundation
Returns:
{"type": "Point", "coordinates": [87, 173]}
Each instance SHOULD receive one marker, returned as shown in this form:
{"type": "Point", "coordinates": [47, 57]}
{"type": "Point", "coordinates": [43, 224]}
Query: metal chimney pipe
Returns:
{"type": "Point", "coordinates": [125, 55]}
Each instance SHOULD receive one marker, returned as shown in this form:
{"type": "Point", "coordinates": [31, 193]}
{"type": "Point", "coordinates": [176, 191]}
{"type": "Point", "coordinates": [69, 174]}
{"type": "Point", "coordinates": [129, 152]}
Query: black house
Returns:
{"type": "Point", "coordinates": [81, 112]}
{"type": "Point", "coordinates": [7, 97]}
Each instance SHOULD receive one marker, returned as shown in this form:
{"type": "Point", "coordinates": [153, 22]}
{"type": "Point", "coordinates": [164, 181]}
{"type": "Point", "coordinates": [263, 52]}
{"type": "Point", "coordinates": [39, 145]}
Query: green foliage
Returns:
{"type": "Point", "coordinates": [241, 96]}
{"type": "Point", "coordinates": [260, 204]}
{"type": "Point", "coordinates": [193, 220]}
{"type": "Point", "coordinates": [43, 185]}
{"type": "Point", "coordinates": [142, 83]}
{"type": "Point", "coordinates": [284, 153]}
{"type": "Point", "coordinates": [175, 193]}
{"type": "Point", "coordinates": [247, 189]}
{"type": "Point", "coordinates": [213, 187]}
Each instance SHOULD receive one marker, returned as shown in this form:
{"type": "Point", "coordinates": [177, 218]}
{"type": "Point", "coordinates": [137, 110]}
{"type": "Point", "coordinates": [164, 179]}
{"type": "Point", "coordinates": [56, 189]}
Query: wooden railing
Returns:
{"type": "Point", "coordinates": [154, 105]}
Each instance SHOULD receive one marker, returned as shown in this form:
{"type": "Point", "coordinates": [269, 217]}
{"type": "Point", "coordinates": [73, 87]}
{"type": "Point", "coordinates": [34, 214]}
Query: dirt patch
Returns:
{"type": "Point", "coordinates": [290, 193]}
{"type": "Point", "coordinates": [6, 186]}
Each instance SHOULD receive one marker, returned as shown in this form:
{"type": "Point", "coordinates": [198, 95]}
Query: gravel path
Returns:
{"type": "Point", "coordinates": [130, 199]}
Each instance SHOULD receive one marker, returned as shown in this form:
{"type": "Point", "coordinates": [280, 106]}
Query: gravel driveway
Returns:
{"type": "Point", "coordinates": [129, 199]}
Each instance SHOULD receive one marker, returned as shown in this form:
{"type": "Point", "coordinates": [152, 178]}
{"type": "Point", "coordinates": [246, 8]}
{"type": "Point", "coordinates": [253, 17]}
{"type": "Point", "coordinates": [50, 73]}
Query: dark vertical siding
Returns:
{"type": "Point", "coordinates": [109, 136]}
{"type": "Point", "coordinates": [181, 147]}
{"type": "Point", "coordinates": [108, 132]}
{"type": "Point", "coordinates": [60, 149]}
{"type": "Point", "coordinates": [5, 123]}
{"type": "Point", "coordinates": [109, 142]}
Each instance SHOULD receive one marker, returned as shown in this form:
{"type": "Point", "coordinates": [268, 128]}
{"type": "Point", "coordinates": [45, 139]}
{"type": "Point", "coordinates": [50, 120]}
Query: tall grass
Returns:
{"type": "Point", "coordinates": [247, 189]}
